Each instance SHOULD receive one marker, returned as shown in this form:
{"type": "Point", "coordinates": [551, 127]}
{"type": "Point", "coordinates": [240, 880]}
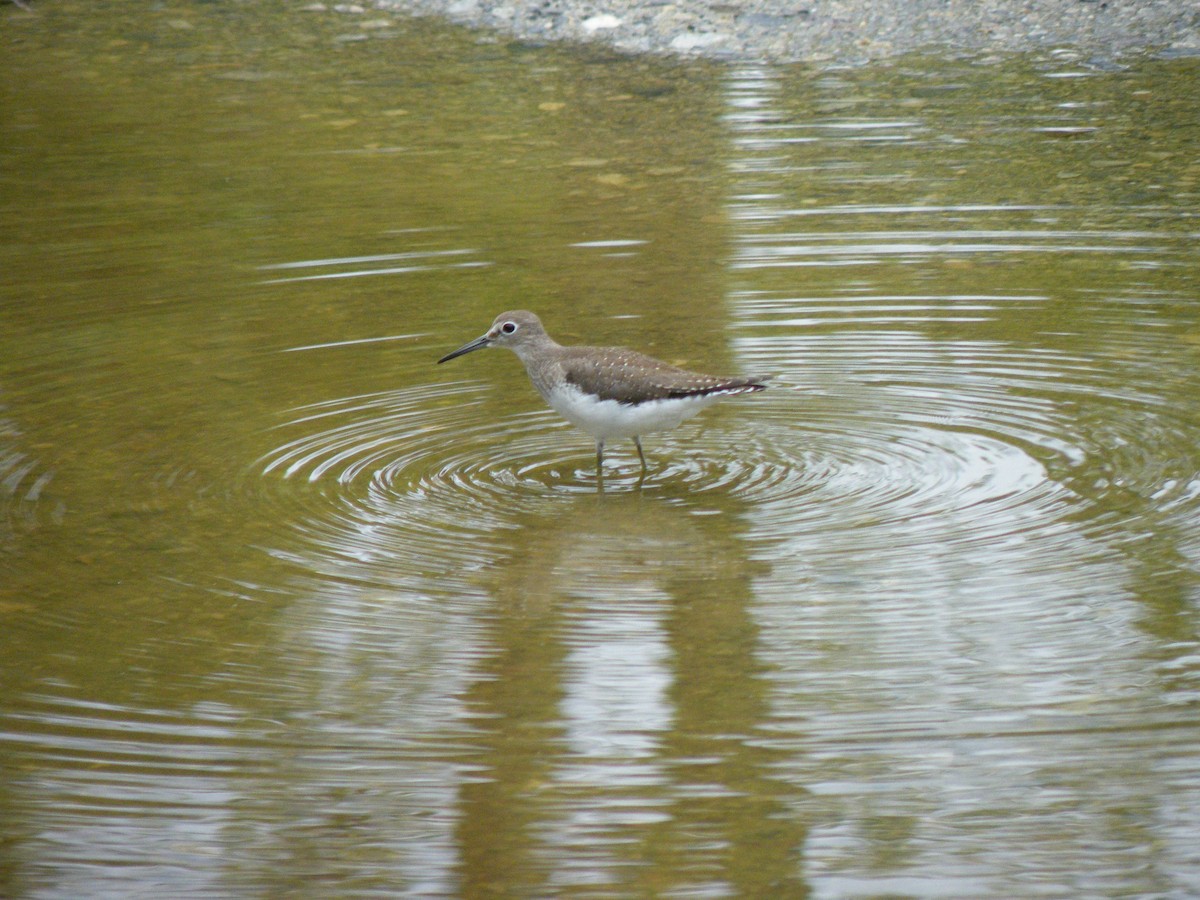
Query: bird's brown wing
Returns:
{"type": "Point", "coordinates": [613, 373]}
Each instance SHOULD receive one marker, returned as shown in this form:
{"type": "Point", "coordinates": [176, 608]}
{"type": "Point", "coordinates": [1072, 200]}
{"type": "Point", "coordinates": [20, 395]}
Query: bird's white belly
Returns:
{"type": "Point", "coordinates": [608, 419]}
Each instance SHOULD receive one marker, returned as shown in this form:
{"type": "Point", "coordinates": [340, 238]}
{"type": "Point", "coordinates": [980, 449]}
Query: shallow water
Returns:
{"type": "Point", "coordinates": [286, 608]}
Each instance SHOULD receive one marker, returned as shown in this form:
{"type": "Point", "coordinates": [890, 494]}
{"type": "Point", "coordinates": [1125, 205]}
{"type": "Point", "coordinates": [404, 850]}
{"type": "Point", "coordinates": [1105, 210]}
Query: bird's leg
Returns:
{"type": "Point", "coordinates": [637, 442]}
{"type": "Point", "coordinates": [599, 459]}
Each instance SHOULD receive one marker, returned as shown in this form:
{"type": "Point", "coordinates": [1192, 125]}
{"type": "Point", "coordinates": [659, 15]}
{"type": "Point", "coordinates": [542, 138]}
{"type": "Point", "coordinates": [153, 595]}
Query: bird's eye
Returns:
{"type": "Point", "coordinates": [508, 327]}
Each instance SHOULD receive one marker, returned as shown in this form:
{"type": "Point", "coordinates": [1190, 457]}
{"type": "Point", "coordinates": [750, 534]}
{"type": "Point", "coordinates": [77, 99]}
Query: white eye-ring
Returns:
{"type": "Point", "coordinates": [508, 327]}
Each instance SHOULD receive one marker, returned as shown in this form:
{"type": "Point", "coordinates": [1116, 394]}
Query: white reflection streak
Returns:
{"type": "Point", "coordinates": [751, 96]}
{"type": "Point", "coordinates": [355, 260]}
{"type": "Point", "coordinates": [616, 706]}
{"type": "Point", "coordinates": [616, 242]}
{"type": "Point", "coordinates": [616, 697]}
{"type": "Point", "coordinates": [374, 340]}
{"type": "Point", "coordinates": [421, 263]}
{"type": "Point", "coordinates": [873, 210]}
{"type": "Point", "coordinates": [394, 270]}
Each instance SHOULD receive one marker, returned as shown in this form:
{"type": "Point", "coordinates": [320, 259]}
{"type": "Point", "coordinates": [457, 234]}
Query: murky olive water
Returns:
{"type": "Point", "coordinates": [287, 609]}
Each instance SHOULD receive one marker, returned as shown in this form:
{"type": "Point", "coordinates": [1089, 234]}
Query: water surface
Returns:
{"type": "Point", "coordinates": [287, 608]}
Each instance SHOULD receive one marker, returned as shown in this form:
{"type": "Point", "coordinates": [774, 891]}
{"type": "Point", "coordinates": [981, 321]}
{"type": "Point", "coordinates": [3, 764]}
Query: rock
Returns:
{"type": "Point", "coordinates": [600, 23]}
{"type": "Point", "coordinates": [692, 41]}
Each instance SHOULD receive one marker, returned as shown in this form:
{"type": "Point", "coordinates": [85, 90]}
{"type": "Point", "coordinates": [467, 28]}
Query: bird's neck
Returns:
{"type": "Point", "coordinates": [543, 347]}
{"type": "Point", "coordinates": [542, 359]}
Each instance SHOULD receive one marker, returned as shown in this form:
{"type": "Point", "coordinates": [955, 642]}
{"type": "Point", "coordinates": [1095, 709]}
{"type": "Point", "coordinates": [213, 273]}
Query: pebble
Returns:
{"type": "Point", "coordinates": [841, 30]}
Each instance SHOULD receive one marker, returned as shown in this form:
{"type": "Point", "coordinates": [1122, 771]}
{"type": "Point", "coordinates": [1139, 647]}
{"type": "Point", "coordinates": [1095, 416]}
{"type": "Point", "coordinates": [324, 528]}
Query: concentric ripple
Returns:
{"type": "Point", "coordinates": [451, 448]}
{"type": "Point", "coordinates": [429, 476]}
{"type": "Point", "coordinates": [23, 479]}
{"type": "Point", "coordinates": [887, 439]}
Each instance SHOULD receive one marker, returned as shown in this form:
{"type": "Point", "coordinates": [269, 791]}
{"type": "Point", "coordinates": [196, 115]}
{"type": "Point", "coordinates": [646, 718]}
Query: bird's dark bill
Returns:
{"type": "Point", "coordinates": [476, 344]}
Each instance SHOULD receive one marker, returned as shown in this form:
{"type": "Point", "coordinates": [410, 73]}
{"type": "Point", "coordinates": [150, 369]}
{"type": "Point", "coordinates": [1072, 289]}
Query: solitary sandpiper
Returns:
{"type": "Point", "coordinates": [609, 392]}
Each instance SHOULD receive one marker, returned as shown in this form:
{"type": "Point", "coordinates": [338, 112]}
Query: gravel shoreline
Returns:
{"type": "Point", "coordinates": [833, 30]}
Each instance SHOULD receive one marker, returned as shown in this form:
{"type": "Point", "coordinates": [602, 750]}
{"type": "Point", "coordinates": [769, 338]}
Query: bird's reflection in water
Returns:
{"type": "Point", "coordinates": [618, 716]}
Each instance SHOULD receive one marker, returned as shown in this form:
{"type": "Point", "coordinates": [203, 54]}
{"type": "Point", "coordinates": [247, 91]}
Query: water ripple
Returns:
{"type": "Point", "coordinates": [24, 480]}
{"type": "Point", "coordinates": [433, 472]}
